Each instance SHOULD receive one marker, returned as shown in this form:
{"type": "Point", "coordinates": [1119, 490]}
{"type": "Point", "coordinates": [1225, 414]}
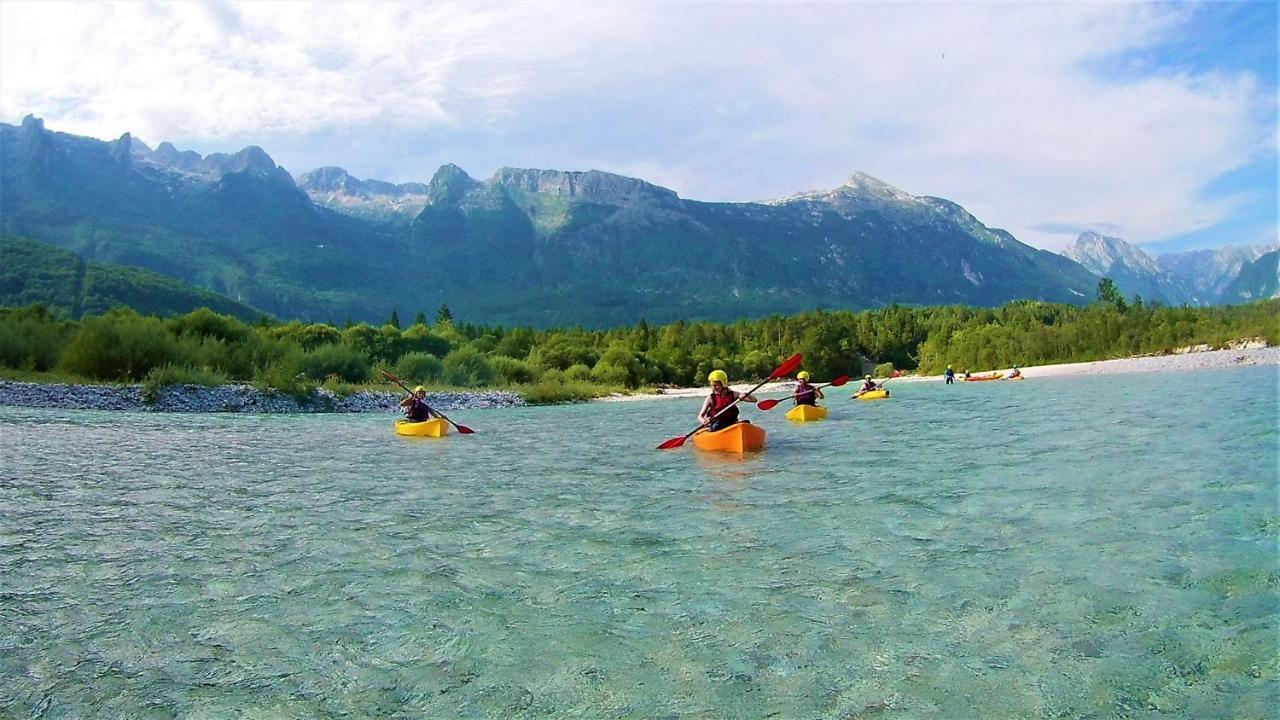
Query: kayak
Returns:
{"type": "Point", "coordinates": [435, 427]}
{"type": "Point", "coordinates": [739, 437]}
{"type": "Point", "coordinates": [983, 378]}
{"type": "Point", "coordinates": [1020, 377]}
{"type": "Point", "coordinates": [805, 413]}
{"type": "Point", "coordinates": [872, 395]}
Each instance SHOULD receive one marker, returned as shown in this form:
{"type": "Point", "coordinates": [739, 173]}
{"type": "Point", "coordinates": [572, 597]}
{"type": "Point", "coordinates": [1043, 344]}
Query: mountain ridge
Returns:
{"type": "Point", "coordinates": [525, 246]}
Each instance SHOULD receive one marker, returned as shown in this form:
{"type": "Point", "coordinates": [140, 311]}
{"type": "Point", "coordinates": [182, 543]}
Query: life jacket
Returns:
{"type": "Point", "coordinates": [808, 395]}
{"type": "Point", "coordinates": [418, 411]}
{"type": "Point", "coordinates": [720, 401]}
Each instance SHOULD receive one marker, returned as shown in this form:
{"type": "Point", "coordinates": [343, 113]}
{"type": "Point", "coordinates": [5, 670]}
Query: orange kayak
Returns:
{"type": "Point", "coordinates": [739, 437]}
{"type": "Point", "coordinates": [983, 378]}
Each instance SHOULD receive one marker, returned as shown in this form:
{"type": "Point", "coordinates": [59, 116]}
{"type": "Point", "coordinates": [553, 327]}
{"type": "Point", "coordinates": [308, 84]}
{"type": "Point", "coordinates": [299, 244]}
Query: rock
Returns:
{"type": "Point", "coordinates": [233, 398]}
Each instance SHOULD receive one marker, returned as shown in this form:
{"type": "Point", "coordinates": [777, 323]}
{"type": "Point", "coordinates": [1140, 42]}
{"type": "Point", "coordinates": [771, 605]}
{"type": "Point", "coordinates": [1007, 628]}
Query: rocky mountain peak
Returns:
{"type": "Point", "coordinates": [327, 180]}
{"type": "Point", "coordinates": [1099, 253]}
{"type": "Point", "coordinates": [593, 186]}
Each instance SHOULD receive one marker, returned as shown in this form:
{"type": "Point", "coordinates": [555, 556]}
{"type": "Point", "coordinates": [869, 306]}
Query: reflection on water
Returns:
{"type": "Point", "coordinates": [996, 550]}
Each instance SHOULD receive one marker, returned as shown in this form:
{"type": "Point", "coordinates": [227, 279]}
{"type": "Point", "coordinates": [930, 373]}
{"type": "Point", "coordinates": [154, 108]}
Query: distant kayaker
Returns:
{"type": "Point", "coordinates": [868, 385]}
{"type": "Point", "coordinates": [714, 413]}
{"type": "Point", "coordinates": [805, 393]}
{"type": "Point", "coordinates": [1016, 373]}
{"type": "Point", "coordinates": [416, 408]}
{"type": "Point", "coordinates": [951, 375]}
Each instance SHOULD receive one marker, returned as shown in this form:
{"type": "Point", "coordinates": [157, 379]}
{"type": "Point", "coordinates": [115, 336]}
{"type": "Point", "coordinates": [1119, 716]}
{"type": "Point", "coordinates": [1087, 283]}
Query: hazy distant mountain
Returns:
{"type": "Point", "coordinates": [333, 187]}
{"type": "Point", "coordinates": [526, 246]}
{"type": "Point", "coordinates": [32, 272]}
{"type": "Point", "coordinates": [1133, 271]}
{"type": "Point", "coordinates": [1258, 280]}
{"type": "Point", "coordinates": [1209, 272]}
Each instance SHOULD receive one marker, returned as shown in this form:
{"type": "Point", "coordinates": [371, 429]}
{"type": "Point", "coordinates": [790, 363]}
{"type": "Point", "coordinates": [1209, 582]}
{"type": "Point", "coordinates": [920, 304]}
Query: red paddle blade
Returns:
{"type": "Point", "coordinates": [839, 381]}
{"type": "Point", "coordinates": [787, 367]}
{"type": "Point", "coordinates": [463, 429]}
{"type": "Point", "coordinates": [767, 404]}
{"type": "Point", "coordinates": [674, 442]}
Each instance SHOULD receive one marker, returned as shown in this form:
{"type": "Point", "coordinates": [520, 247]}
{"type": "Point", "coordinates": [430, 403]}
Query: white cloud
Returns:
{"type": "Point", "coordinates": [993, 106]}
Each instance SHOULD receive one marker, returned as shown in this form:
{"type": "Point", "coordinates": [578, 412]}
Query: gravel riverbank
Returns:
{"type": "Point", "coordinates": [232, 398]}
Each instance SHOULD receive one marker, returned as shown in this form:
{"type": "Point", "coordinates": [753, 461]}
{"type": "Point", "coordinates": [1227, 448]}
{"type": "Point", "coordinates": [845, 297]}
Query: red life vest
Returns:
{"type": "Point", "coordinates": [720, 401]}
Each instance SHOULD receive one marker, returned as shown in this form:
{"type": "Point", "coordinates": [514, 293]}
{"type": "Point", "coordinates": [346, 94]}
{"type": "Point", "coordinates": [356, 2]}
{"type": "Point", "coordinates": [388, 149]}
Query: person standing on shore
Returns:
{"type": "Point", "coordinates": [805, 393]}
{"type": "Point", "coordinates": [719, 411]}
{"type": "Point", "coordinates": [951, 375]}
{"type": "Point", "coordinates": [416, 408]}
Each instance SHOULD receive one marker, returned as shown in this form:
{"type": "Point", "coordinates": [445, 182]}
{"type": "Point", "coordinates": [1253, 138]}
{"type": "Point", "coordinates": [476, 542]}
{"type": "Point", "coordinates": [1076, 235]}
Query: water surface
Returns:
{"type": "Point", "coordinates": [1068, 547]}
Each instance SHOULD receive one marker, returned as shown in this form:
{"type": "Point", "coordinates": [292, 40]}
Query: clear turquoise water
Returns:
{"type": "Point", "coordinates": [1084, 547]}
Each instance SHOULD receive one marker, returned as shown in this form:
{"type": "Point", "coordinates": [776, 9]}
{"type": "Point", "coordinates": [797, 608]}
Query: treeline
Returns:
{"type": "Point", "coordinates": [205, 347]}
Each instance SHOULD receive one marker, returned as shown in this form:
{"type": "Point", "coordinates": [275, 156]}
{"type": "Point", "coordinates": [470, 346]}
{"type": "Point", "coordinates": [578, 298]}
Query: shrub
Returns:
{"type": "Point", "coordinates": [578, 373]}
{"type": "Point", "coordinates": [608, 374]}
{"type": "Point", "coordinates": [285, 374]}
{"type": "Point", "coordinates": [419, 367]}
{"type": "Point", "coordinates": [420, 339]}
{"type": "Point", "coordinates": [166, 375]}
{"type": "Point", "coordinates": [120, 345]}
{"type": "Point", "coordinates": [345, 362]}
{"type": "Point", "coordinates": [468, 367]}
{"type": "Point", "coordinates": [207, 323]}
{"type": "Point", "coordinates": [884, 370]}
{"type": "Point", "coordinates": [31, 339]}
{"type": "Point", "coordinates": [512, 371]}
{"type": "Point", "coordinates": [550, 392]}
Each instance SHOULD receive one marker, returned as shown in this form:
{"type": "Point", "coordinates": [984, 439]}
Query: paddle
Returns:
{"type": "Point", "coordinates": [782, 370]}
{"type": "Point", "coordinates": [463, 429]}
{"type": "Point", "coordinates": [771, 404]}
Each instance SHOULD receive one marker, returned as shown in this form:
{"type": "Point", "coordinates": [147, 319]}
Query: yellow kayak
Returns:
{"type": "Point", "coordinates": [806, 413]}
{"type": "Point", "coordinates": [739, 437]}
{"type": "Point", "coordinates": [435, 427]}
{"type": "Point", "coordinates": [879, 394]}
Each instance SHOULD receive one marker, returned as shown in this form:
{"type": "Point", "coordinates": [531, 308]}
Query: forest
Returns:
{"type": "Point", "coordinates": [208, 348]}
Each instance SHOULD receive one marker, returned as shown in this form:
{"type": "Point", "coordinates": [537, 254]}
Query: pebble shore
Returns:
{"type": "Point", "coordinates": [233, 398]}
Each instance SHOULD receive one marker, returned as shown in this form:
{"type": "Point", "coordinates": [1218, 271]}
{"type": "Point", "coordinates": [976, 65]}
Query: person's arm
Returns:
{"type": "Point", "coordinates": [818, 392]}
{"type": "Point", "coordinates": [744, 397]}
{"type": "Point", "coordinates": [704, 415]}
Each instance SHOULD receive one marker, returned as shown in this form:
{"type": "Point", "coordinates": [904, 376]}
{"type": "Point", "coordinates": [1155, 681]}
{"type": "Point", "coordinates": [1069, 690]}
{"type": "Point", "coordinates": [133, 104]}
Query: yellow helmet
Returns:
{"type": "Point", "coordinates": [866, 377]}
{"type": "Point", "coordinates": [419, 389]}
{"type": "Point", "coordinates": [718, 375]}
{"type": "Point", "coordinates": [802, 375]}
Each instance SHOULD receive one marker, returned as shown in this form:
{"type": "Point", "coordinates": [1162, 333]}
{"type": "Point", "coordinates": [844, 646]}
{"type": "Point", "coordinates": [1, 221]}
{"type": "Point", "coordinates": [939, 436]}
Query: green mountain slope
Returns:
{"type": "Point", "coordinates": [536, 247]}
{"type": "Point", "coordinates": [1259, 280]}
{"type": "Point", "coordinates": [32, 272]}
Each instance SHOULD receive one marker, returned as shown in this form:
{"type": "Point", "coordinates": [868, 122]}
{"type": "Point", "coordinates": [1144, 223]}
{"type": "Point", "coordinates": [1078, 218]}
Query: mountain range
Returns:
{"type": "Point", "coordinates": [525, 246]}
{"type": "Point", "coordinates": [1196, 277]}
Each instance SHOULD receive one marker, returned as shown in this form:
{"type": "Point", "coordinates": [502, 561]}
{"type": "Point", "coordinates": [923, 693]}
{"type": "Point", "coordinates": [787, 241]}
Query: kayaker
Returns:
{"type": "Point", "coordinates": [868, 385]}
{"type": "Point", "coordinates": [951, 375]}
{"type": "Point", "coordinates": [1016, 373]}
{"type": "Point", "coordinates": [721, 397]}
{"type": "Point", "coordinates": [805, 393]}
{"type": "Point", "coordinates": [416, 408]}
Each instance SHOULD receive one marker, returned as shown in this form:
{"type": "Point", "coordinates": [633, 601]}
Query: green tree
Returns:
{"type": "Point", "coordinates": [394, 320]}
{"type": "Point", "coordinates": [443, 315]}
{"type": "Point", "coordinates": [1110, 294]}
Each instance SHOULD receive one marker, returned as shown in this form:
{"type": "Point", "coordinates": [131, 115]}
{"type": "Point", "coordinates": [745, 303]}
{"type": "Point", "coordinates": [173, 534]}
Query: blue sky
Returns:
{"type": "Point", "coordinates": [1155, 122]}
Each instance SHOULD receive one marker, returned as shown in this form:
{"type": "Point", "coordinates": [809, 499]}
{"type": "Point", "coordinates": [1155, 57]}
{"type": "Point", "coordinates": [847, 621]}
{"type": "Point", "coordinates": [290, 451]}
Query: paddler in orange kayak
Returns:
{"type": "Point", "coordinates": [714, 413]}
